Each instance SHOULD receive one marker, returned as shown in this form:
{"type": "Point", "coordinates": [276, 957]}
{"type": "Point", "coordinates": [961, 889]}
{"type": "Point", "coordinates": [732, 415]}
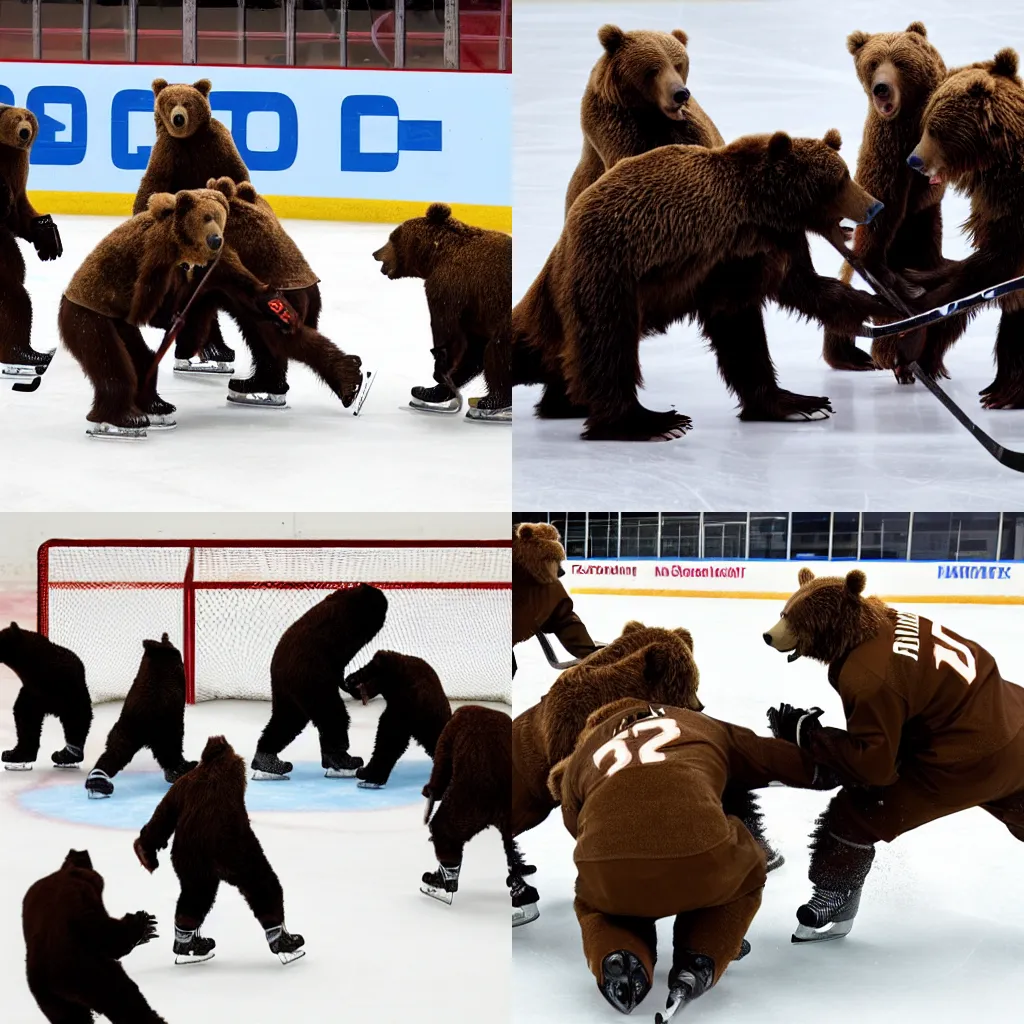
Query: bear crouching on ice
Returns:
{"type": "Point", "coordinates": [467, 272]}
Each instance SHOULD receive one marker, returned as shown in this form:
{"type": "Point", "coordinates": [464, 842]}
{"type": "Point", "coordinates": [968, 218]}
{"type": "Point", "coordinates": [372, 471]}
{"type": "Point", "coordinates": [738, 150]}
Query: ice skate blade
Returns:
{"type": "Point", "coordinates": [363, 784]}
{"type": "Point", "coordinates": [268, 777]}
{"type": "Point", "coordinates": [477, 415]}
{"type": "Point", "coordinates": [108, 432]}
{"type": "Point", "coordinates": [96, 795]}
{"type": "Point", "coordinates": [257, 400]}
{"type": "Point", "coordinates": [190, 958]}
{"type": "Point", "coordinates": [369, 376]}
{"type": "Point", "coordinates": [340, 773]}
{"type": "Point", "coordinates": [32, 385]}
{"type": "Point", "coordinates": [290, 958]}
{"type": "Point", "coordinates": [525, 914]}
{"type": "Point", "coordinates": [441, 895]}
{"type": "Point", "coordinates": [187, 368]}
{"type": "Point", "coordinates": [452, 407]}
{"type": "Point", "coordinates": [19, 371]}
{"type": "Point", "coordinates": [67, 767]}
{"type": "Point", "coordinates": [836, 930]}
{"type": "Point", "coordinates": [17, 766]}
{"type": "Point", "coordinates": [162, 423]}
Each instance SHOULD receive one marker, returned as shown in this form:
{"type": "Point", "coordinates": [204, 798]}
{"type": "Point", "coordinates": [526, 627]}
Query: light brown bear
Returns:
{"type": "Point", "coordinates": [898, 71]}
{"type": "Point", "coordinates": [636, 100]}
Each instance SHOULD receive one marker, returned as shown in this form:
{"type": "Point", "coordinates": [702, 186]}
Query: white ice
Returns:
{"type": "Point", "coordinates": [939, 936]}
{"type": "Point", "coordinates": [755, 67]}
{"type": "Point", "coordinates": [310, 470]}
{"type": "Point", "coordinates": [378, 950]}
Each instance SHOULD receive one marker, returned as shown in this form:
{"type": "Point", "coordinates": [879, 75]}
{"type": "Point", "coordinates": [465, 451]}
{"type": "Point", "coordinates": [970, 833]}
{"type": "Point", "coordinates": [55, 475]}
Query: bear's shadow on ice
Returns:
{"type": "Point", "coordinates": [137, 793]}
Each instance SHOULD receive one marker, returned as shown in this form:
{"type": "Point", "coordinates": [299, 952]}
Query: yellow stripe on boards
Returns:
{"type": "Point", "coordinates": [367, 211]}
{"type": "Point", "coordinates": [771, 595]}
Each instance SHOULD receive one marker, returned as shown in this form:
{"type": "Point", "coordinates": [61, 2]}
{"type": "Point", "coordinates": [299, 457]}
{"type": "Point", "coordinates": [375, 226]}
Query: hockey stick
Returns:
{"type": "Point", "coordinates": [1004, 456]}
{"type": "Point", "coordinates": [549, 653]}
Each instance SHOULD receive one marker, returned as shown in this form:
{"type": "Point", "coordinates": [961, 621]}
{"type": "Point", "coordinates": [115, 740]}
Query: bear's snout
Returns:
{"type": "Point", "coordinates": [767, 638]}
{"type": "Point", "coordinates": [915, 163]}
{"type": "Point", "coordinates": [873, 211]}
{"type": "Point", "coordinates": [885, 91]}
{"type": "Point", "coordinates": [25, 132]}
{"type": "Point", "coordinates": [214, 242]}
{"type": "Point", "coordinates": [881, 90]}
{"type": "Point", "coordinates": [179, 118]}
{"type": "Point", "coordinates": [681, 95]}
{"type": "Point", "coordinates": [780, 637]}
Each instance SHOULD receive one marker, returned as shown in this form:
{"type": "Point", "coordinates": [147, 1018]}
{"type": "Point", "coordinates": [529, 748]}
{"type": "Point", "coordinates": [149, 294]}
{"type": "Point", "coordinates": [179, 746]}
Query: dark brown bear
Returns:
{"type": "Point", "coordinates": [52, 683]}
{"type": "Point", "coordinates": [153, 716]}
{"type": "Point", "coordinates": [468, 280]}
{"type": "Point", "coordinates": [269, 254]}
{"type": "Point", "coordinates": [680, 232]}
{"type": "Point", "coordinates": [122, 284]}
{"type": "Point", "coordinates": [18, 219]}
{"type": "Point", "coordinates": [899, 71]}
{"type": "Point", "coordinates": [191, 147]}
{"type": "Point", "coordinates": [636, 100]}
{"type": "Point", "coordinates": [417, 709]}
{"type": "Point", "coordinates": [213, 843]}
{"type": "Point", "coordinates": [931, 729]}
{"type": "Point", "coordinates": [73, 947]}
{"type": "Point", "coordinates": [306, 672]}
{"type": "Point", "coordinates": [972, 136]}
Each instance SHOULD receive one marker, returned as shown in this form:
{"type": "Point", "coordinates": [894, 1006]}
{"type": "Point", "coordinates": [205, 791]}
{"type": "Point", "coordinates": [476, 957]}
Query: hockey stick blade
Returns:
{"type": "Point", "coordinates": [1004, 456]}
{"type": "Point", "coordinates": [24, 388]}
{"type": "Point", "coordinates": [552, 658]}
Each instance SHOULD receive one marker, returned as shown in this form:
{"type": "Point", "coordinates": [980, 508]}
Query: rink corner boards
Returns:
{"type": "Point", "coordinates": [370, 211]}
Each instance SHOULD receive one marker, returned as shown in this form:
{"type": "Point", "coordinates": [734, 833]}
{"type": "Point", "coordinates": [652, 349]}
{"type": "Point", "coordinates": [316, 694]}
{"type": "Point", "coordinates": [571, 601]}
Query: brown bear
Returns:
{"type": "Point", "coordinates": [213, 843]}
{"type": "Point", "coordinates": [898, 71]}
{"type": "Point", "coordinates": [266, 250]}
{"type": "Point", "coordinates": [306, 671]}
{"type": "Point", "coordinates": [467, 273]}
{"type": "Point", "coordinates": [636, 100]}
{"type": "Point", "coordinates": [122, 284]}
{"type": "Point", "coordinates": [539, 601]}
{"type": "Point", "coordinates": [417, 709]}
{"type": "Point", "coordinates": [685, 231]}
{"type": "Point", "coordinates": [19, 219]}
{"type": "Point", "coordinates": [73, 947]}
{"type": "Point", "coordinates": [931, 729]}
{"type": "Point", "coordinates": [153, 716]}
{"type": "Point", "coordinates": [191, 147]}
{"type": "Point", "coordinates": [972, 134]}
{"type": "Point", "coordinates": [52, 683]}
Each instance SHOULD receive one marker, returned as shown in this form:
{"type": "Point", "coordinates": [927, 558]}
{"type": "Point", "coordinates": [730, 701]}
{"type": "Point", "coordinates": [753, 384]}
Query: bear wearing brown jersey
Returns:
{"type": "Point", "coordinates": [73, 948]}
{"type": "Point", "coordinates": [19, 219]}
{"type": "Point", "coordinates": [681, 232]}
{"type": "Point", "coordinates": [641, 793]}
{"type": "Point", "coordinates": [931, 729]}
{"type": "Point", "coordinates": [636, 100]}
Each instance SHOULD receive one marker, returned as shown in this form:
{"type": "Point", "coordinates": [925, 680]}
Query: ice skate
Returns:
{"type": "Point", "coordinates": [16, 761]}
{"type": "Point", "coordinates": [439, 400]}
{"type": "Point", "coordinates": [25, 367]}
{"type": "Point", "coordinates": [367, 784]}
{"type": "Point", "coordinates": [524, 900]}
{"type": "Point", "coordinates": [173, 774]}
{"type": "Point", "coordinates": [113, 432]}
{"type": "Point", "coordinates": [692, 979]}
{"type": "Point", "coordinates": [489, 410]}
{"type": "Point", "coordinates": [263, 393]}
{"type": "Point", "coordinates": [828, 914]}
{"type": "Point", "coordinates": [340, 766]}
{"type": "Point", "coordinates": [744, 950]}
{"type": "Point", "coordinates": [625, 980]}
{"type": "Point", "coordinates": [98, 785]}
{"type": "Point", "coordinates": [191, 948]}
{"type": "Point", "coordinates": [69, 757]}
{"type": "Point", "coordinates": [214, 358]}
{"type": "Point", "coordinates": [269, 767]}
{"type": "Point", "coordinates": [285, 945]}
{"type": "Point", "coordinates": [441, 884]}
{"type": "Point", "coordinates": [161, 415]}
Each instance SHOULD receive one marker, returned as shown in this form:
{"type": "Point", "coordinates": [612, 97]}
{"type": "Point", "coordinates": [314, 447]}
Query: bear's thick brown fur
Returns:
{"type": "Point", "coordinates": [467, 273]}
{"type": "Point", "coordinates": [73, 947]}
{"type": "Point", "coordinates": [685, 231]}
{"type": "Point", "coordinates": [417, 708]}
{"type": "Point", "coordinates": [636, 100]}
{"type": "Point", "coordinates": [213, 840]}
{"type": "Point", "coordinates": [899, 71]}
{"type": "Point", "coordinates": [972, 137]}
{"type": "Point", "coordinates": [19, 219]}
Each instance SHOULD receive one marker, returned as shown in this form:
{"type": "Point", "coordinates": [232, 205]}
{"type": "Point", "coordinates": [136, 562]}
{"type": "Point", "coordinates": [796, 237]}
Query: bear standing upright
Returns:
{"type": "Point", "coordinates": [153, 716]}
{"type": "Point", "coordinates": [637, 100]}
{"type": "Point", "coordinates": [18, 219]}
{"type": "Point", "coordinates": [52, 683]}
{"type": "Point", "coordinates": [467, 273]}
{"type": "Point", "coordinates": [306, 673]}
{"type": "Point", "coordinates": [73, 947]}
{"type": "Point", "coordinates": [899, 71]}
{"type": "Point", "coordinates": [191, 147]}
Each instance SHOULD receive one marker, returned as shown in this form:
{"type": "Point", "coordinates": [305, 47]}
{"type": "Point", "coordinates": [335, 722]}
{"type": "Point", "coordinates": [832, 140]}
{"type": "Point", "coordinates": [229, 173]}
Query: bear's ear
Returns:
{"type": "Point", "coordinates": [1005, 63]}
{"type": "Point", "coordinates": [14, 627]}
{"type": "Point", "coordinates": [203, 86]}
{"type": "Point", "coordinates": [833, 139]}
{"type": "Point", "coordinates": [681, 35]}
{"type": "Point", "coordinates": [161, 204]}
{"type": "Point", "coordinates": [159, 84]}
{"type": "Point", "coordinates": [632, 627]}
{"type": "Point", "coordinates": [855, 582]}
{"type": "Point", "coordinates": [247, 191]}
{"type": "Point", "coordinates": [611, 37]}
{"type": "Point", "coordinates": [225, 186]}
{"type": "Point", "coordinates": [525, 531]}
{"type": "Point", "coordinates": [215, 747]}
{"type": "Point", "coordinates": [855, 40]}
{"type": "Point", "coordinates": [184, 201]}
{"type": "Point", "coordinates": [780, 145]}
{"type": "Point", "coordinates": [165, 639]}
{"type": "Point", "coordinates": [685, 635]}
{"type": "Point", "coordinates": [804, 576]}
{"type": "Point", "coordinates": [438, 213]}
{"type": "Point", "coordinates": [917, 27]}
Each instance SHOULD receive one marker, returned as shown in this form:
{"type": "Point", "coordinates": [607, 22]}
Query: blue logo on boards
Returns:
{"type": "Point", "coordinates": [413, 136]}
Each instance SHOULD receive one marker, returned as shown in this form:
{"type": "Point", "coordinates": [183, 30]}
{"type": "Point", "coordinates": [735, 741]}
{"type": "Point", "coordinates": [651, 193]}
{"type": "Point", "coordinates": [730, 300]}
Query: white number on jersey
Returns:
{"type": "Point", "coordinates": [666, 729]}
{"type": "Point", "coordinates": [953, 653]}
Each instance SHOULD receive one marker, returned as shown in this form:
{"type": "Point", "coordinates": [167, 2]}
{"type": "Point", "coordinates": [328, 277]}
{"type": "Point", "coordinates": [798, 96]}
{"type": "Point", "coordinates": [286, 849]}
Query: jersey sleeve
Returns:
{"type": "Point", "coordinates": [757, 761]}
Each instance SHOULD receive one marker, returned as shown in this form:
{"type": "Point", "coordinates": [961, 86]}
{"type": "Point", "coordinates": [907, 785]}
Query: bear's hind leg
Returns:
{"type": "Point", "coordinates": [114, 995]}
{"type": "Point", "coordinates": [143, 359]}
{"type": "Point", "coordinates": [393, 735]}
{"type": "Point", "coordinates": [62, 1011]}
{"type": "Point", "coordinates": [339, 371]}
{"type": "Point", "coordinates": [287, 720]}
{"type": "Point", "coordinates": [1007, 390]}
{"type": "Point", "coordinates": [328, 713]}
{"type": "Point", "coordinates": [840, 351]}
{"type": "Point", "coordinates": [29, 711]}
{"type": "Point", "coordinates": [16, 314]}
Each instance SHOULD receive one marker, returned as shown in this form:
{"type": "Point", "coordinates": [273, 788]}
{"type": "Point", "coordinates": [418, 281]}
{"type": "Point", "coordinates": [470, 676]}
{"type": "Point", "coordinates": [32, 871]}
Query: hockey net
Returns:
{"type": "Point", "coordinates": [226, 604]}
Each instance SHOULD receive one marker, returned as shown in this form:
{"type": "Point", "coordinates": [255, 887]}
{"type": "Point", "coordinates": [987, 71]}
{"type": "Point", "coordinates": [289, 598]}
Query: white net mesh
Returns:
{"type": "Point", "coordinates": [449, 605]}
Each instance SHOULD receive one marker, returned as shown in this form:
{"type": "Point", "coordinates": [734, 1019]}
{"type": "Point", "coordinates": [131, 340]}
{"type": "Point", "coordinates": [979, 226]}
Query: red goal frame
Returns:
{"type": "Point", "coordinates": [189, 586]}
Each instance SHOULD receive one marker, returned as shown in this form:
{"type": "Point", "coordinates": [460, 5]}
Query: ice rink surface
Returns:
{"type": "Point", "coordinates": [310, 470]}
{"type": "Point", "coordinates": [349, 861]}
{"type": "Point", "coordinates": [754, 67]}
{"type": "Point", "coordinates": [939, 936]}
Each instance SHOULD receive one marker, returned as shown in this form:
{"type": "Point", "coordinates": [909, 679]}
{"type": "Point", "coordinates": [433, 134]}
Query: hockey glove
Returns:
{"type": "Point", "coordinates": [793, 724]}
{"type": "Point", "coordinates": [146, 858]}
{"type": "Point", "coordinates": [281, 312]}
{"type": "Point", "coordinates": [46, 238]}
{"type": "Point", "coordinates": [146, 925]}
